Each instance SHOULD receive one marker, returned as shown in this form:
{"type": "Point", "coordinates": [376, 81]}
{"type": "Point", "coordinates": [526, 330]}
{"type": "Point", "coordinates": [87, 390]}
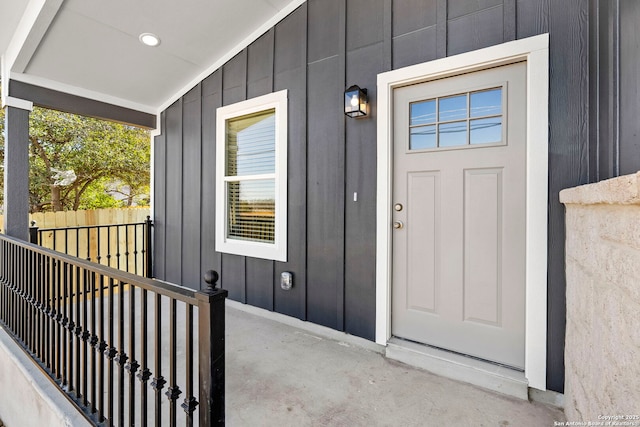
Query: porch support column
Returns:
{"type": "Point", "coordinates": [16, 168]}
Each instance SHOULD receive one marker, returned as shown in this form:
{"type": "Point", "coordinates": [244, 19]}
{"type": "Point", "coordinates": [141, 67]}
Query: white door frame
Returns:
{"type": "Point", "coordinates": [535, 51]}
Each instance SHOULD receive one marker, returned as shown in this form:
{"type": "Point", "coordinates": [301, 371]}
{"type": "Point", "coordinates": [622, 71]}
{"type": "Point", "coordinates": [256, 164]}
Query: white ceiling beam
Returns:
{"type": "Point", "coordinates": [34, 24]}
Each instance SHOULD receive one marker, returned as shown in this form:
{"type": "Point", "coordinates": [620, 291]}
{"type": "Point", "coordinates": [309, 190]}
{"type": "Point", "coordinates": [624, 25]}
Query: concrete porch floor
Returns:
{"type": "Point", "coordinates": [279, 375]}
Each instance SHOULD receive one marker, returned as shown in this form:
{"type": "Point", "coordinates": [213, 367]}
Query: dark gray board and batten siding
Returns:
{"type": "Point", "coordinates": [314, 53]}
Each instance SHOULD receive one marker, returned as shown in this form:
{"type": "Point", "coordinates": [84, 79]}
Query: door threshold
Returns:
{"type": "Point", "coordinates": [455, 366]}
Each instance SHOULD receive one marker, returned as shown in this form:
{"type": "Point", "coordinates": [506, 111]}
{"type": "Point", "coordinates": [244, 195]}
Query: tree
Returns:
{"type": "Point", "coordinates": [97, 151]}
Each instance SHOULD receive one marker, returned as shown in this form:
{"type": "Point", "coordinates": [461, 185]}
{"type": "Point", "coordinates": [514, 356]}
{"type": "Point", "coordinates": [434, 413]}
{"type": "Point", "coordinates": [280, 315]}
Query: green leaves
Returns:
{"type": "Point", "coordinates": [102, 154]}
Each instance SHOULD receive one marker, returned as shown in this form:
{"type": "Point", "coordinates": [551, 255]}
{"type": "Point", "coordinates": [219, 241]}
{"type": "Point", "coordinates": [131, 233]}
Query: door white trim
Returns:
{"type": "Point", "coordinates": [534, 50]}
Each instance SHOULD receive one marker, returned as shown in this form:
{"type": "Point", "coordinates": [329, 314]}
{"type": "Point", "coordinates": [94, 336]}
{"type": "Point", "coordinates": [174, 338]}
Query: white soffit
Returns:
{"type": "Point", "coordinates": [92, 49]}
{"type": "Point", "coordinates": [11, 12]}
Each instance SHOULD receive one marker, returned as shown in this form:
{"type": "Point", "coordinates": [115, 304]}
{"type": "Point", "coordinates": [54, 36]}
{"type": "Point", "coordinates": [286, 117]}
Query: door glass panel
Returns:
{"type": "Point", "coordinates": [423, 137]}
{"type": "Point", "coordinates": [486, 131]}
{"type": "Point", "coordinates": [423, 113]}
{"type": "Point", "coordinates": [486, 103]}
{"type": "Point", "coordinates": [452, 134]}
{"type": "Point", "coordinates": [470, 118]}
{"type": "Point", "coordinates": [452, 108]}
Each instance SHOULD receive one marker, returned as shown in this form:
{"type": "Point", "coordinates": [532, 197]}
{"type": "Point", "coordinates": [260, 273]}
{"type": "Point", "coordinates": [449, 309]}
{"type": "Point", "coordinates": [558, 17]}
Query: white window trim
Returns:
{"type": "Point", "coordinates": [535, 51]}
{"type": "Point", "coordinates": [274, 251]}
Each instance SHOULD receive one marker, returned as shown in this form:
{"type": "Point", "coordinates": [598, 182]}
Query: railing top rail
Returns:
{"type": "Point", "coordinates": [171, 290]}
{"type": "Point", "coordinates": [90, 226]}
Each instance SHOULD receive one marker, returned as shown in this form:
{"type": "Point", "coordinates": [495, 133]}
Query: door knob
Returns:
{"type": "Point", "coordinates": [398, 225]}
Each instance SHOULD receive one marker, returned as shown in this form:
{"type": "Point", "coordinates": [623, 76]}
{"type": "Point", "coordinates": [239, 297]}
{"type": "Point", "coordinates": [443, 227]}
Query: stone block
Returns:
{"type": "Point", "coordinates": [602, 348]}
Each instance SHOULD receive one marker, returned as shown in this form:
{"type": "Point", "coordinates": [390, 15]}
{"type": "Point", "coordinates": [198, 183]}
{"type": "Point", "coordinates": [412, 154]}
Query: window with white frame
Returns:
{"type": "Point", "coordinates": [251, 177]}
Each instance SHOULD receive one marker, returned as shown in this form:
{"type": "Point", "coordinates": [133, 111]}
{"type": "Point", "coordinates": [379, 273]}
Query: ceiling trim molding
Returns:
{"type": "Point", "coordinates": [69, 103]}
{"type": "Point", "coordinates": [81, 92]}
{"type": "Point", "coordinates": [33, 25]}
{"type": "Point", "coordinates": [283, 13]}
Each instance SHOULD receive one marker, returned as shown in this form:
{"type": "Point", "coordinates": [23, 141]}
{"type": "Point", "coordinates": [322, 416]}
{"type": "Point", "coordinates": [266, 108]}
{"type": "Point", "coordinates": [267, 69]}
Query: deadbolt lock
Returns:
{"type": "Point", "coordinates": [398, 207]}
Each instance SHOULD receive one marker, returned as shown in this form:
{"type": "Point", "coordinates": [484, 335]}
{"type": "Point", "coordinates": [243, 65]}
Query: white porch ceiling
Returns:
{"type": "Point", "coordinates": [90, 48]}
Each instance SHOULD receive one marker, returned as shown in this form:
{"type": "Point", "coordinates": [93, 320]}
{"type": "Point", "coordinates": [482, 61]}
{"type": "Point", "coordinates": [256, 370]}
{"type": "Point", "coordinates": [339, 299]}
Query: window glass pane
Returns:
{"type": "Point", "coordinates": [452, 108]}
{"type": "Point", "coordinates": [486, 131]}
{"type": "Point", "coordinates": [423, 113]}
{"type": "Point", "coordinates": [452, 134]}
{"type": "Point", "coordinates": [423, 137]}
{"type": "Point", "coordinates": [486, 103]}
{"type": "Point", "coordinates": [251, 148]}
{"type": "Point", "coordinates": [251, 210]}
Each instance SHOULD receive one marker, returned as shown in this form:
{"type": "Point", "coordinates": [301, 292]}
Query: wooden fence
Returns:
{"type": "Point", "coordinates": [121, 247]}
{"type": "Point", "coordinates": [88, 217]}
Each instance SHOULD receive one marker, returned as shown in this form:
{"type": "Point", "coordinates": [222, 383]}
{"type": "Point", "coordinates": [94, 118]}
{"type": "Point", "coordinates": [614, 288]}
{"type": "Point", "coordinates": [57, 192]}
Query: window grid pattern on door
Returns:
{"type": "Point", "coordinates": [470, 118]}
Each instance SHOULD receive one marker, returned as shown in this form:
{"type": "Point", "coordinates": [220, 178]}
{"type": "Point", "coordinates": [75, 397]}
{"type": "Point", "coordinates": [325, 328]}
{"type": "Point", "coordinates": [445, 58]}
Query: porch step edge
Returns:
{"type": "Point", "coordinates": [457, 367]}
{"type": "Point", "coordinates": [547, 397]}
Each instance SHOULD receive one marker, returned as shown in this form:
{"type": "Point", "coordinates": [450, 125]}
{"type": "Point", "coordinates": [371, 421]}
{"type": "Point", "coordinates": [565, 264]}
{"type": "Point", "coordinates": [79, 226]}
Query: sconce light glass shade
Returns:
{"type": "Point", "coordinates": [355, 102]}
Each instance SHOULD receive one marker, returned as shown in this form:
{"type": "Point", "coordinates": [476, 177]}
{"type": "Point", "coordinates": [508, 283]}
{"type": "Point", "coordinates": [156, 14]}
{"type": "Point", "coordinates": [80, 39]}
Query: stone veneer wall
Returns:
{"type": "Point", "coordinates": [602, 348]}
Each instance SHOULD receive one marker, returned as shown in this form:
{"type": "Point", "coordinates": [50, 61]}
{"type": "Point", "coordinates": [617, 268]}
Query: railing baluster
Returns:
{"type": "Point", "coordinates": [158, 381]}
{"type": "Point", "coordinates": [135, 249]}
{"type": "Point", "coordinates": [33, 299]}
{"type": "Point", "coordinates": [121, 358]}
{"type": "Point", "coordinates": [144, 373]}
{"type": "Point", "coordinates": [101, 348]}
{"type": "Point", "coordinates": [126, 247]}
{"type": "Point", "coordinates": [77, 243]}
{"type": "Point", "coordinates": [64, 321]}
{"type": "Point", "coordinates": [173, 392]}
{"type": "Point", "coordinates": [85, 339]}
{"type": "Point", "coordinates": [190, 402]}
{"type": "Point", "coordinates": [56, 319]}
{"type": "Point", "coordinates": [70, 324]}
{"type": "Point", "coordinates": [78, 331]}
{"type": "Point", "coordinates": [118, 247]}
{"type": "Point", "coordinates": [19, 317]}
{"type": "Point", "coordinates": [98, 246]}
{"type": "Point", "coordinates": [88, 244]}
{"type": "Point", "coordinates": [111, 353]}
{"type": "Point", "coordinates": [94, 343]}
{"type": "Point", "coordinates": [109, 246]}
{"type": "Point", "coordinates": [46, 346]}
{"type": "Point", "coordinates": [133, 365]}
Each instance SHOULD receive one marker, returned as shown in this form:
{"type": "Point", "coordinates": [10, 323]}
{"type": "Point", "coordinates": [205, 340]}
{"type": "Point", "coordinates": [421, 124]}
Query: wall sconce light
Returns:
{"type": "Point", "coordinates": [355, 102]}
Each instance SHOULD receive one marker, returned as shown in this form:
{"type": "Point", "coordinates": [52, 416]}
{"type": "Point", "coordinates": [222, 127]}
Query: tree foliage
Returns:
{"type": "Point", "coordinates": [99, 152]}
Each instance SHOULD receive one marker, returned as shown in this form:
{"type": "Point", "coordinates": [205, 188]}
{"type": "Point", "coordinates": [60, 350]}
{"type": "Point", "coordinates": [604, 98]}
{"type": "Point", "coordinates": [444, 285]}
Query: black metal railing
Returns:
{"type": "Point", "coordinates": [126, 247]}
{"type": "Point", "coordinates": [112, 340]}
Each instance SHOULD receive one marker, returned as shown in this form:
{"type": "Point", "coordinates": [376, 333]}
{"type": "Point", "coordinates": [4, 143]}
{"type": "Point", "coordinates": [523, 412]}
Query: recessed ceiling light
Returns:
{"type": "Point", "coordinates": [149, 39]}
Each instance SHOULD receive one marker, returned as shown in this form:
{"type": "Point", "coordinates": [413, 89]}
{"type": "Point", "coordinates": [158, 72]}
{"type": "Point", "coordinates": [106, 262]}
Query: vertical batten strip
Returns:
{"type": "Point", "coordinates": [509, 20]}
{"type": "Point", "coordinates": [441, 29]}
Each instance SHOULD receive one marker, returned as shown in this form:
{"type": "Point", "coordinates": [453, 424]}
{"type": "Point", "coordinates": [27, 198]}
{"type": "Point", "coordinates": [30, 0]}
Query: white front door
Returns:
{"type": "Point", "coordinates": [459, 213]}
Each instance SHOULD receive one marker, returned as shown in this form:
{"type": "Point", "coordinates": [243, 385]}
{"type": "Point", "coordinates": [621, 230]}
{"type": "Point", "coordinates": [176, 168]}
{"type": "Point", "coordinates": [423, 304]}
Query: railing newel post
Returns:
{"type": "Point", "coordinates": [211, 329]}
{"type": "Point", "coordinates": [148, 248]}
{"type": "Point", "coordinates": [33, 233]}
